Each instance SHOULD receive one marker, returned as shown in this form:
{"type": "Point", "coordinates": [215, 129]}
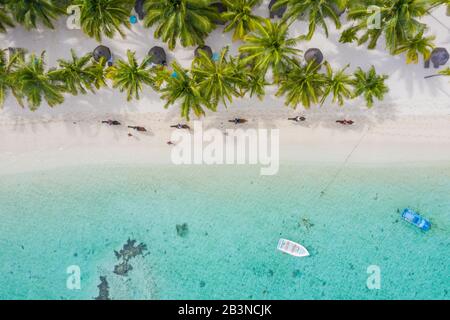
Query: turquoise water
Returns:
{"type": "Point", "coordinates": [78, 216]}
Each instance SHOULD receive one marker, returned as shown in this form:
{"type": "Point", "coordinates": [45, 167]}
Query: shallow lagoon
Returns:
{"type": "Point", "coordinates": [51, 220]}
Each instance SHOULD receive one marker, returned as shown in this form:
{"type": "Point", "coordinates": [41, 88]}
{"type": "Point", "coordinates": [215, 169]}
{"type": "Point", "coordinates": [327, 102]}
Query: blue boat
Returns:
{"type": "Point", "coordinates": [415, 219]}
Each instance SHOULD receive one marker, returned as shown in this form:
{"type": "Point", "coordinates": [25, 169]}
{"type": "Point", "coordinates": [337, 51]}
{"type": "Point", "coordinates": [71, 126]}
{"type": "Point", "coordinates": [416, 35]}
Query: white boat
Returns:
{"type": "Point", "coordinates": [292, 248]}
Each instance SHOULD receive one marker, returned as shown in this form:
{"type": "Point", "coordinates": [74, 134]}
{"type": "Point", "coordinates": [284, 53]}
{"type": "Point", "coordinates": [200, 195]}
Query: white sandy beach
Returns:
{"type": "Point", "coordinates": [412, 125]}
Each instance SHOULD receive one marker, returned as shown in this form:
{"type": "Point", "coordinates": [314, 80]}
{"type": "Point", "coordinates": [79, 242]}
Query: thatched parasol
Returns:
{"type": "Point", "coordinates": [278, 12]}
{"type": "Point", "coordinates": [315, 55]}
{"type": "Point", "coordinates": [102, 52]}
{"type": "Point", "coordinates": [206, 49]}
{"type": "Point", "coordinates": [158, 56]}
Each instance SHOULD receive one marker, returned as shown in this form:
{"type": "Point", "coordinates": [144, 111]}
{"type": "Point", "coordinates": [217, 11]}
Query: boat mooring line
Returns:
{"type": "Point", "coordinates": [322, 193]}
{"type": "Point", "coordinates": [439, 21]}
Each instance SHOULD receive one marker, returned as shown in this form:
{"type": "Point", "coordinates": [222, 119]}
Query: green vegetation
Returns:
{"type": "Point", "coordinates": [267, 48]}
{"type": "Point", "coordinates": [29, 13]}
{"type": "Point", "coordinates": [370, 85]}
{"type": "Point", "coordinates": [181, 87]}
{"type": "Point", "coordinates": [399, 22]}
{"type": "Point", "coordinates": [5, 19]}
{"type": "Point", "coordinates": [415, 46]}
{"type": "Point", "coordinates": [317, 12]}
{"type": "Point", "coordinates": [33, 82]}
{"type": "Point", "coordinates": [270, 47]}
{"type": "Point", "coordinates": [208, 83]}
{"type": "Point", "coordinates": [302, 85]}
{"type": "Point", "coordinates": [445, 72]}
{"type": "Point", "coordinates": [305, 85]}
{"type": "Point", "coordinates": [218, 80]}
{"type": "Point", "coordinates": [104, 17]}
{"type": "Point", "coordinates": [188, 21]}
{"type": "Point", "coordinates": [339, 84]}
{"type": "Point", "coordinates": [240, 17]}
{"type": "Point", "coordinates": [77, 75]}
{"type": "Point", "coordinates": [130, 76]}
{"type": "Point", "coordinates": [6, 78]}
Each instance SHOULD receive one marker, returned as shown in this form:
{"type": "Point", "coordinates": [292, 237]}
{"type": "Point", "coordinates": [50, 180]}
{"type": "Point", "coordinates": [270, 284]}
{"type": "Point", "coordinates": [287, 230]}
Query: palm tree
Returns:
{"type": "Point", "coordinates": [75, 76]}
{"type": "Point", "coordinates": [269, 47]}
{"type": "Point", "coordinates": [415, 46]}
{"type": "Point", "coordinates": [5, 19]}
{"type": "Point", "coordinates": [302, 85]}
{"type": "Point", "coordinates": [160, 76]}
{"type": "Point", "coordinates": [130, 75]}
{"type": "Point", "coordinates": [339, 84]}
{"type": "Point", "coordinates": [104, 17]}
{"type": "Point", "coordinates": [97, 70]}
{"type": "Point", "coordinates": [436, 3]}
{"type": "Point", "coordinates": [317, 10]}
{"type": "Point", "coordinates": [255, 84]}
{"type": "Point", "coordinates": [217, 80]}
{"type": "Point", "coordinates": [239, 16]}
{"type": "Point", "coordinates": [183, 88]}
{"type": "Point", "coordinates": [188, 20]}
{"type": "Point", "coordinates": [445, 72]}
{"type": "Point", "coordinates": [30, 13]}
{"type": "Point", "coordinates": [6, 82]}
{"type": "Point", "coordinates": [33, 82]}
{"type": "Point", "coordinates": [370, 85]}
{"type": "Point", "coordinates": [399, 21]}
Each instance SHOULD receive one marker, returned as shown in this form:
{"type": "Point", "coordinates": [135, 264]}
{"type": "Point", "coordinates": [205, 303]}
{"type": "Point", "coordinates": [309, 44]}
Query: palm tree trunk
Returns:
{"type": "Point", "coordinates": [434, 75]}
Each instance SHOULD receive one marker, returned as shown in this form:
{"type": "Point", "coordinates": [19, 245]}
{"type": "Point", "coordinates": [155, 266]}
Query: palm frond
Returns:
{"type": "Point", "coordinates": [104, 17]}
{"type": "Point", "coordinates": [188, 21]}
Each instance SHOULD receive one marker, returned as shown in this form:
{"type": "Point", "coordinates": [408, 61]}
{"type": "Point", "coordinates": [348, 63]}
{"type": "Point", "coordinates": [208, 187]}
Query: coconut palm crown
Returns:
{"type": "Point", "coordinates": [317, 11]}
{"type": "Point", "coordinates": [130, 76]}
{"type": "Point", "coordinates": [76, 75]}
{"type": "Point", "coordinates": [240, 17]}
{"type": "Point", "coordinates": [370, 85]}
{"type": "Point", "coordinates": [302, 85]}
{"type": "Point", "coordinates": [182, 88]}
{"type": "Point", "coordinates": [5, 18]}
{"type": "Point", "coordinates": [29, 13]}
{"type": "Point", "coordinates": [104, 17]}
{"type": "Point", "coordinates": [33, 82]}
{"type": "Point", "coordinates": [399, 21]}
{"type": "Point", "coordinates": [445, 72]}
{"type": "Point", "coordinates": [339, 84]}
{"type": "Point", "coordinates": [270, 47]}
{"type": "Point", "coordinates": [217, 80]}
{"type": "Point", "coordinates": [416, 45]}
{"type": "Point", "coordinates": [7, 65]}
{"type": "Point", "coordinates": [189, 21]}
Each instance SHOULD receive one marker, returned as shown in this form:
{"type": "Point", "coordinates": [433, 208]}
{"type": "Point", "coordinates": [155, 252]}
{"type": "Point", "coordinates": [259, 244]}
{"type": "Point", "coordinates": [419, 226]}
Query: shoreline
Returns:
{"type": "Point", "coordinates": [30, 144]}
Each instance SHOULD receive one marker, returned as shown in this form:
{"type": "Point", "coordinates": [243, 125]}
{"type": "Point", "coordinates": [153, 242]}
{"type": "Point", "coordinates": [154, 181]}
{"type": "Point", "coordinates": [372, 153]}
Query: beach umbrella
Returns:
{"type": "Point", "coordinates": [439, 57]}
{"type": "Point", "coordinates": [221, 8]}
{"type": "Point", "coordinates": [102, 52]}
{"type": "Point", "coordinates": [206, 49]}
{"type": "Point", "coordinates": [278, 12]}
{"type": "Point", "coordinates": [139, 9]}
{"type": "Point", "coordinates": [13, 50]}
{"type": "Point", "coordinates": [315, 55]}
{"type": "Point", "coordinates": [158, 56]}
